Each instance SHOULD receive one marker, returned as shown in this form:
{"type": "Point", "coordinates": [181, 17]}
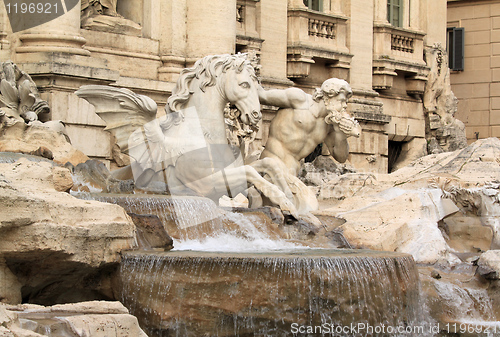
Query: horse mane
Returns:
{"type": "Point", "coordinates": [206, 70]}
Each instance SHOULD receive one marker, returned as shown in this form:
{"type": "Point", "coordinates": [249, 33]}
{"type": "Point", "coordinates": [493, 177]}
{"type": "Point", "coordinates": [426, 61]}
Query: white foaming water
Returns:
{"type": "Point", "coordinates": [231, 243]}
{"type": "Point", "coordinates": [247, 237]}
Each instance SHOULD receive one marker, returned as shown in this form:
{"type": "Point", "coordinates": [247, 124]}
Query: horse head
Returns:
{"type": "Point", "coordinates": [240, 88]}
{"type": "Point", "coordinates": [232, 75]}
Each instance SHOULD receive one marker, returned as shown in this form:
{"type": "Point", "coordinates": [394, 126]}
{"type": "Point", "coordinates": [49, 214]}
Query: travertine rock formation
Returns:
{"type": "Point", "coordinates": [438, 206]}
{"type": "Point", "coordinates": [489, 264]}
{"type": "Point", "coordinates": [96, 319]}
{"type": "Point", "coordinates": [443, 132]}
{"type": "Point", "coordinates": [43, 139]}
{"type": "Point", "coordinates": [54, 246]}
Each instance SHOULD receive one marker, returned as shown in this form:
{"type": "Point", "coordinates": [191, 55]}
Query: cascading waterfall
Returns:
{"type": "Point", "coordinates": [180, 215]}
{"type": "Point", "coordinates": [198, 224]}
{"type": "Point", "coordinates": [190, 293]}
{"type": "Point", "coordinates": [227, 276]}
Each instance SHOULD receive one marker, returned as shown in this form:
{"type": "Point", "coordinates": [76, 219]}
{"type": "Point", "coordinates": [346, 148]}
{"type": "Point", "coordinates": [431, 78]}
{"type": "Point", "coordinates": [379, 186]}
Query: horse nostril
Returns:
{"type": "Point", "coordinates": [256, 114]}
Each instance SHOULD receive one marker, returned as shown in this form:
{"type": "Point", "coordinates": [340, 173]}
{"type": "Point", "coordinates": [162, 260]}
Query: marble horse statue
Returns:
{"type": "Point", "coordinates": [187, 148]}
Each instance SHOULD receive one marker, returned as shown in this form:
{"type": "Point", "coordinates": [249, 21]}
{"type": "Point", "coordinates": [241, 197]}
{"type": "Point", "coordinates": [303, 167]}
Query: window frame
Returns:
{"type": "Point", "coordinates": [309, 4]}
{"type": "Point", "coordinates": [391, 5]}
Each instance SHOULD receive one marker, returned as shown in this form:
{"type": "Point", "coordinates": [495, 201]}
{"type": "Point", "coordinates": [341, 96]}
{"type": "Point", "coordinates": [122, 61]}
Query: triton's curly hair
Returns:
{"type": "Point", "coordinates": [331, 88]}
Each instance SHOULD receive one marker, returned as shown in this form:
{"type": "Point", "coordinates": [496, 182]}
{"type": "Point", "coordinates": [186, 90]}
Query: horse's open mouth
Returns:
{"type": "Point", "coordinates": [251, 118]}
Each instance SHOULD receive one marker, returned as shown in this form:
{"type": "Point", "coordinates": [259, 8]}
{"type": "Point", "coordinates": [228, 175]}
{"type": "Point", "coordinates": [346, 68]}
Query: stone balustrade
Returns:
{"type": "Point", "coordinates": [398, 50]}
{"type": "Point", "coordinates": [402, 43]}
{"type": "Point", "coordinates": [316, 35]}
{"type": "Point", "coordinates": [321, 28]}
{"type": "Point", "coordinates": [240, 13]}
{"type": "Point", "coordinates": [247, 37]}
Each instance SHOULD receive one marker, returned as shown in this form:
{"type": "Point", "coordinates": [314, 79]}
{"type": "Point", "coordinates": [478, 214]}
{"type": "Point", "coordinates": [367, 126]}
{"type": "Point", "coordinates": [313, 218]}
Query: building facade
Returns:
{"type": "Point", "coordinates": [477, 82]}
{"type": "Point", "coordinates": [376, 45]}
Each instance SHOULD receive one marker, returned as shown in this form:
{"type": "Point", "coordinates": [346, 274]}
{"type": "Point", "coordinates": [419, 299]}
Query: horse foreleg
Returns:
{"type": "Point", "coordinates": [276, 171]}
{"type": "Point", "coordinates": [233, 177]}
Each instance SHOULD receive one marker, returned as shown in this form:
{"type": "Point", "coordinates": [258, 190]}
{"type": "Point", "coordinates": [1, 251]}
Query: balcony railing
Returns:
{"type": "Point", "coordinates": [322, 29]}
{"type": "Point", "coordinates": [246, 17]}
{"type": "Point", "coordinates": [398, 50]}
{"type": "Point", "coordinates": [240, 13]}
{"type": "Point", "coordinates": [314, 35]}
{"type": "Point", "coordinates": [402, 43]}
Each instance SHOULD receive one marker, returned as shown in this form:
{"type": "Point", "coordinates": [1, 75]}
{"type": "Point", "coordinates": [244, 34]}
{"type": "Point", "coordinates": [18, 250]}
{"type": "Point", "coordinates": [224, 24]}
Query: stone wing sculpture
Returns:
{"type": "Point", "coordinates": [123, 110]}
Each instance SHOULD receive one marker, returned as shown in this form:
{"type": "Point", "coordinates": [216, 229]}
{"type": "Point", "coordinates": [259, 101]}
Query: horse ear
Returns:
{"type": "Point", "coordinates": [242, 55]}
{"type": "Point", "coordinates": [240, 64]}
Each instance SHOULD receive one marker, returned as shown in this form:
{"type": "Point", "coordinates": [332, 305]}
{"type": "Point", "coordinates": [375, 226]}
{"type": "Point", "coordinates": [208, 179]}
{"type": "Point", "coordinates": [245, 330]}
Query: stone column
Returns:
{"type": "Point", "coordinates": [61, 35]}
{"type": "Point", "coordinates": [172, 38]}
{"type": "Point", "coordinates": [369, 152]}
{"type": "Point", "coordinates": [361, 27]}
{"type": "Point", "coordinates": [212, 28]}
{"type": "Point", "coordinates": [273, 30]}
{"type": "Point", "coordinates": [4, 32]}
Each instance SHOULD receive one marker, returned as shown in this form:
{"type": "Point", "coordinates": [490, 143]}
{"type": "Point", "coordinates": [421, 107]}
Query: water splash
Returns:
{"type": "Point", "coordinates": [198, 224]}
{"type": "Point", "coordinates": [246, 236]}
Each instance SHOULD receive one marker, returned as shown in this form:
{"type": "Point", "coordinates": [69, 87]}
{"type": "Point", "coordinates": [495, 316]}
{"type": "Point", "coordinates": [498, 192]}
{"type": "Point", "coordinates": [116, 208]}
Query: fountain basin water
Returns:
{"type": "Point", "coordinates": [192, 293]}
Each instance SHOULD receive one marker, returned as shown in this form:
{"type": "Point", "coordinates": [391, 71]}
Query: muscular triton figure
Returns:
{"type": "Point", "coordinates": [304, 121]}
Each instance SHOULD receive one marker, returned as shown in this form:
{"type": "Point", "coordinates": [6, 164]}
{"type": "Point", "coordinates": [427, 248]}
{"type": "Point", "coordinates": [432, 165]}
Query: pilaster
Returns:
{"type": "Point", "coordinates": [173, 39]}
{"type": "Point", "coordinates": [212, 28]}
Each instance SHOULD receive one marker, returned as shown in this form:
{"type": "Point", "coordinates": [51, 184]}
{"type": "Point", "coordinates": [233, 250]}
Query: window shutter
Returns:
{"type": "Point", "coordinates": [456, 46]}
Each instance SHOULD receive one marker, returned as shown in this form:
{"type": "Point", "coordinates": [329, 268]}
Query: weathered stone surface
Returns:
{"type": "Point", "coordinates": [444, 131]}
{"type": "Point", "coordinates": [41, 139]}
{"type": "Point", "coordinates": [150, 232]}
{"type": "Point", "coordinates": [411, 209]}
{"type": "Point", "coordinates": [467, 233]}
{"type": "Point", "coordinates": [93, 176]}
{"type": "Point", "coordinates": [476, 164]}
{"type": "Point", "coordinates": [457, 297]}
{"type": "Point", "coordinates": [96, 319]}
{"type": "Point", "coordinates": [10, 287]}
{"type": "Point", "coordinates": [322, 170]}
{"type": "Point", "coordinates": [53, 242]}
{"type": "Point", "coordinates": [397, 220]}
{"type": "Point", "coordinates": [61, 177]}
{"type": "Point", "coordinates": [410, 151]}
{"type": "Point", "coordinates": [489, 264]}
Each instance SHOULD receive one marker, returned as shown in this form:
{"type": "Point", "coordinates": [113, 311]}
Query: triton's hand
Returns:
{"type": "Point", "coordinates": [350, 127]}
{"type": "Point", "coordinates": [345, 124]}
{"type": "Point", "coordinates": [333, 118]}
